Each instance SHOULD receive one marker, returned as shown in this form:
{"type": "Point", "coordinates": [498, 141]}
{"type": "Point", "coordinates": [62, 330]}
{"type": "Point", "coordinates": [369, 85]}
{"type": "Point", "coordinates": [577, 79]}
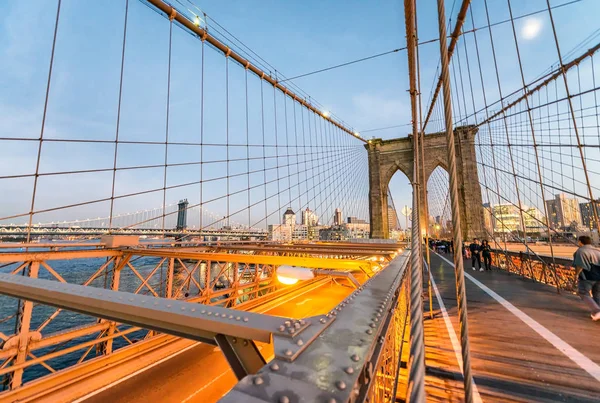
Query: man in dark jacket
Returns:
{"type": "Point", "coordinates": [586, 259]}
{"type": "Point", "coordinates": [475, 249]}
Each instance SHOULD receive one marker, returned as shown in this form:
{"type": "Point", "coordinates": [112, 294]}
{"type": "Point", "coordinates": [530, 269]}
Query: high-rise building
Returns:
{"type": "Point", "coordinates": [356, 220]}
{"type": "Point", "coordinates": [392, 219]}
{"type": "Point", "coordinates": [587, 214]}
{"type": "Point", "coordinates": [289, 217]}
{"type": "Point", "coordinates": [506, 218]}
{"type": "Point", "coordinates": [182, 214]}
{"type": "Point", "coordinates": [337, 217]}
{"type": "Point", "coordinates": [309, 218]}
{"type": "Point", "coordinates": [563, 212]}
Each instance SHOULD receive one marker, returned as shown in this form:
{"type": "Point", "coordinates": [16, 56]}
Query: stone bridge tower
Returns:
{"type": "Point", "coordinates": [388, 156]}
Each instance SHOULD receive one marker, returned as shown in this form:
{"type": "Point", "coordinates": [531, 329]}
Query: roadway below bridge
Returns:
{"type": "Point", "coordinates": [200, 373]}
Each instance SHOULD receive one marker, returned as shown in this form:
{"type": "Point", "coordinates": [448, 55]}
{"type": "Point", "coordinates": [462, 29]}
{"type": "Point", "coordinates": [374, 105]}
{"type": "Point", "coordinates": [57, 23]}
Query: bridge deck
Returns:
{"type": "Point", "coordinates": [510, 360]}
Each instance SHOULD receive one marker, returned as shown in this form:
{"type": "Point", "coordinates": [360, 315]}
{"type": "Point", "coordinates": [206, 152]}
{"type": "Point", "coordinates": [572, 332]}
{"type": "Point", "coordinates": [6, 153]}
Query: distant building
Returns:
{"type": "Point", "coordinates": [563, 212]}
{"type": "Point", "coordinates": [280, 232]}
{"type": "Point", "coordinates": [587, 215]}
{"type": "Point", "coordinates": [309, 218]}
{"type": "Point", "coordinates": [488, 219]}
{"type": "Point", "coordinates": [182, 208]}
{"type": "Point", "coordinates": [289, 217]}
{"type": "Point", "coordinates": [535, 222]}
{"type": "Point", "coordinates": [392, 219]}
{"type": "Point", "coordinates": [345, 232]}
{"type": "Point", "coordinates": [355, 220]}
{"type": "Point", "coordinates": [506, 218]}
{"type": "Point", "coordinates": [337, 217]}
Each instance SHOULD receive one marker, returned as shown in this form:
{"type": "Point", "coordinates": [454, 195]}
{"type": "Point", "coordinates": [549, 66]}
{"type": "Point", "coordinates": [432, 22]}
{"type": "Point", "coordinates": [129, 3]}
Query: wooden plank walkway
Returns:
{"type": "Point", "coordinates": [512, 362]}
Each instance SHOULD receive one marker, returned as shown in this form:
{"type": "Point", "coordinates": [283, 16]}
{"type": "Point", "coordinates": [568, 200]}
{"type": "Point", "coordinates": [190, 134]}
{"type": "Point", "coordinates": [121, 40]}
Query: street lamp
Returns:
{"type": "Point", "coordinates": [290, 275]}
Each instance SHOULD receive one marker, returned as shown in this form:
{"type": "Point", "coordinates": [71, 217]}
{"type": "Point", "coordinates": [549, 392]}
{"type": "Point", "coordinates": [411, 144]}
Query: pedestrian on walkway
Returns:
{"type": "Point", "coordinates": [486, 253]}
{"type": "Point", "coordinates": [475, 249]}
{"type": "Point", "coordinates": [587, 262]}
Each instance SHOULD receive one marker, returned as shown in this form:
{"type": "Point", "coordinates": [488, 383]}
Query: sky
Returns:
{"type": "Point", "coordinates": [294, 37]}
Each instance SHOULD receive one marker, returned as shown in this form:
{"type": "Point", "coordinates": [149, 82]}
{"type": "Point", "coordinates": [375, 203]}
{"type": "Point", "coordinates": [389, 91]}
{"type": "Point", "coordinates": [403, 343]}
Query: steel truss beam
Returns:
{"type": "Point", "coordinates": [340, 364]}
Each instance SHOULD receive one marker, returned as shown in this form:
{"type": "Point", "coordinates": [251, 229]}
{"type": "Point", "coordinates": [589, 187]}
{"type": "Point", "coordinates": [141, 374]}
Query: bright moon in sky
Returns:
{"type": "Point", "coordinates": [532, 28]}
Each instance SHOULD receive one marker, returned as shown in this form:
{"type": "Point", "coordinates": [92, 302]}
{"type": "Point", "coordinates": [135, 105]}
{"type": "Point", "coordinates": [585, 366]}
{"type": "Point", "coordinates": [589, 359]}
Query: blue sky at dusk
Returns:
{"type": "Point", "coordinates": [295, 37]}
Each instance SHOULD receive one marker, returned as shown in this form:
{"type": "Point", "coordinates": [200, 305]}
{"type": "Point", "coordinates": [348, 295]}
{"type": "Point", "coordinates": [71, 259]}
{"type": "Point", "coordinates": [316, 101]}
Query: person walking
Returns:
{"type": "Point", "coordinates": [475, 249]}
{"type": "Point", "coordinates": [486, 253]}
{"type": "Point", "coordinates": [587, 262]}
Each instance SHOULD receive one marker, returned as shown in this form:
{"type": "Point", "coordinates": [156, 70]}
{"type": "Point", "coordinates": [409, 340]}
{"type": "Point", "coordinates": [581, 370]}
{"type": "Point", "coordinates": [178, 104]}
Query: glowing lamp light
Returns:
{"type": "Point", "coordinates": [325, 114]}
{"type": "Point", "coordinates": [357, 134]}
{"type": "Point", "coordinates": [290, 275]}
{"type": "Point", "coordinates": [197, 21]}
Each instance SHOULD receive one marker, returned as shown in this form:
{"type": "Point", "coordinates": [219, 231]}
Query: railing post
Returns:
{"type": "Point", "coordinates": [169, 279]}
{"type": "Point", "coordinates": [114, 285]}
{"type": "Point", "coordinates": [22, 330]}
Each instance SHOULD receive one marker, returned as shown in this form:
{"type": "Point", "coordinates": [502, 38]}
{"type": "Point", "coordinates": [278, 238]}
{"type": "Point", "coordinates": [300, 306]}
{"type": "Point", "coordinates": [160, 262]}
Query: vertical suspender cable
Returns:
{"type": "Point", "coordinates": [423, 180]}
{"type": "Point", "coordinates": [171, 17]}
{"type": "Point", "coordinates": [201, 135]}
{"type": "Point", "coordinates": [416, 363]}
{"type": "Point", "coordinates": [39, 153]}
{"type": "Point", "coordinates": [461, 294]}
{"type": "Point", "coordinates": [114, 175]}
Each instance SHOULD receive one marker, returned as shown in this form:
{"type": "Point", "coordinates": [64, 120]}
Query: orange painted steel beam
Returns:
{"type": "Point", "coordinates": [339, 264]}
{"type": "Point", "coordinates": [12, 257]}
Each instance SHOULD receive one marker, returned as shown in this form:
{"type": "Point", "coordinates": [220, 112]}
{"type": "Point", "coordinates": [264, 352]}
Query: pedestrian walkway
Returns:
{"type": "Point", "coordinates": [528, 343]}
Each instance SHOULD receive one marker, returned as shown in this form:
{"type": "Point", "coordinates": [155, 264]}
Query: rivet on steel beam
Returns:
{"type": "Point", "coordinates": [375, 319]}
{"type": "Point", "coordinates": [282, 328]}
{"type": "Point", "coordinates": [322, 320]}
{"type": "Point", "coordinates": [169, 305]}
{"type": "Point", "coordinates": [183, 308]}
{"type": "Point", "coordinates": [341, 385]}
{"type": "Point", "coordinates": [297, 325]}
{"type": "Point", "coordinates": [302, 322]}
{"type": "Point", "coordinates": [209, 313]}
{"type": "Point", "coordinates": [245, 342]}
{"type": "Point", "coordinates": [369, 331]}
{"type": "Point", "coordinates": [288, 352]}
{"type": "Point", "coordinates": [203, 311]}
{"type": "Point", "coordinates": [274, 367]}
{"type": "Point", "coordinates": [234, 340]}
{"type": "Point", "coordinates": [230, 316]}
{"type": "Point", "coordinates": [332, 400]}
{"type": "Point", "coordinates": [291, 331]}
{"type": "Point", "coordinates": [354, 358]}
{"type": "Point", "coordinates": [300, 342]}
{"type": "Point", "coordinates": [284, 399]}
{"type": "Point", "coordinates": [237, 318]}
{"type": "Point", "coordinates": [288, 323]}
{"type": "Point", "coordinates": [245, 319]}
{"type": "Point", "coordinates": [349, 370]}
{"type": "Point", "coordinates": [193, 309]}
{"type": "Point", "coordinates": [258, 380]}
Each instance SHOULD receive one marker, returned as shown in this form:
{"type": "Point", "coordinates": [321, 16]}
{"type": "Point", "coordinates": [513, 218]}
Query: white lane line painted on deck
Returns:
{"type": "Point", "coordinates": [139, 371]}
{"type": "Point", "coordinates": [453, 339]}
{"type": "Point", "coordinates": [581, 360]}
{"type": "Point", "coordinates": [304, 302]}
{"type": "Point", "coordinates": [204, 387]}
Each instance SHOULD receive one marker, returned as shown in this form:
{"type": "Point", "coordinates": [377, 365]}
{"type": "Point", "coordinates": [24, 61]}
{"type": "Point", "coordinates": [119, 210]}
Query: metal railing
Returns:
{"type": "Point", "coordinates": [554, 271]}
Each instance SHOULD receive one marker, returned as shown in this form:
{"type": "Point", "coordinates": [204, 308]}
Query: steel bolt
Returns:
{"type": "Point", "coordinates": [230, 316]}
{"type": "Point", "coordinates": [245, 342]}
{"type": "Point", "coordinates": [258, 380]}
{"type": "Point", "coordinates": [183, 308]}
{"type": "Point", "coordinates": [203, 311]}
{"type": "Point", "coordinates": [372, 325]}
{"type": "Point", "coordinates": [349, 370]}
{"type": "Point", "coordinates": [341, 385]}
{"type": "Point", "coordinates": [291, 331]}
{"type": "Point", "coordinates": [237, 318]}
{"type": "Point", "coordinates": [354, 358]}
{"type": "Point", "coordinates": [299, 342]}
{"type": "Point", "coordinates": [193, 309]}
{"type": "Point", "coordinates": [234, 340]}
{"type": "Point", "coordinates": [302, 322]}
{"type": "Point", "coordinates": [284, 399]}
{"type": "Point", "coordinates": [209, 313]}
{"type": "Point", "coordinates": [288, 323]}
{"type": "Point", "coordinates": [322, 320]}
{"type": "Point", "coordinates": [288, 352]}
{"type": "Point", "coordinates": [245, 319]}
{"type": "Point", "coordinates": [369, 331]}
{"type": "Point", "coordinates": [169, 305]}
{"type": "Point", "coordinates": [297, 325]}
{"type": "Point", "coordinates": [282, 328]}
{"type": "Point", "coordinates": [274, 367]}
